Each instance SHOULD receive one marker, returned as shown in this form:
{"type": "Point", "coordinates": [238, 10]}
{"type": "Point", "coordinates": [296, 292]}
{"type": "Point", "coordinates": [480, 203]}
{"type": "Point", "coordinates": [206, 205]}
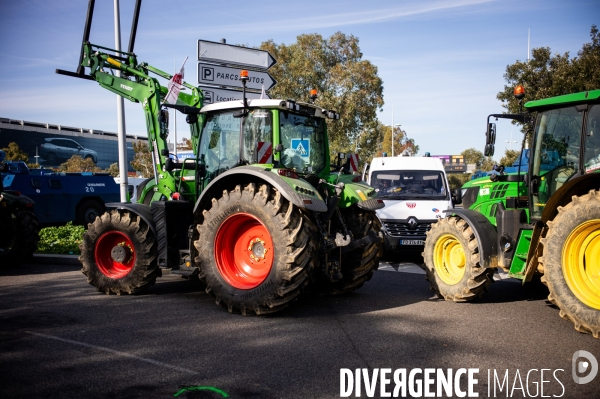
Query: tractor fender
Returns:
{"type": "Point", "coordinates": [485, 233]}
{"type": "Point", "coordinates": [247, 174]}
{"type": "Point", "coordinates": [577, 186]}
{"type": "Point", "coordinates": [141, 210]}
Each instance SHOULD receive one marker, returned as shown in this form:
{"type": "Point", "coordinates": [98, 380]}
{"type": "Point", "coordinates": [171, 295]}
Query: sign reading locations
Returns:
{"type": "Point", "coordinates": [228, 76]}
{"type": "Point", "coordinates": [213, 95]}
{"type": "Point", "coordinates": [234, 55]}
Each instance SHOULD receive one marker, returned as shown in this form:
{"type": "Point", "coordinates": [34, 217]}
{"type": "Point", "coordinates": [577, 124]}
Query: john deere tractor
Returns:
{"type": "Point", "coordinates": [259, 213]}
{"type": "Point", "coordinates": [543, 219]}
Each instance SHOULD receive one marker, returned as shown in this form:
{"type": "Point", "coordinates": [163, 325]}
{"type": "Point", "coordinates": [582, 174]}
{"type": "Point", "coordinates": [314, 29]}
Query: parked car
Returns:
{"type": "Point", "coordinates": [56, 150]}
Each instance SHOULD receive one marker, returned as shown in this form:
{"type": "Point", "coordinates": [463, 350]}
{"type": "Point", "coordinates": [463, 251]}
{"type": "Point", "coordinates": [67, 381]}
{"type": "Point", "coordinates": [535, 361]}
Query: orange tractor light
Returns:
{"type": "Point", "coordinates": [243, 74]}
{"type": "Point", "coordinates": [519, 92]}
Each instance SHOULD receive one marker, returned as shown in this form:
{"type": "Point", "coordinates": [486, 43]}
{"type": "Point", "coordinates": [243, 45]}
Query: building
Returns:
{"type": "Point", "coordinates": [50, 145]}
{"type": "Point", "coordinates": [453, 163]}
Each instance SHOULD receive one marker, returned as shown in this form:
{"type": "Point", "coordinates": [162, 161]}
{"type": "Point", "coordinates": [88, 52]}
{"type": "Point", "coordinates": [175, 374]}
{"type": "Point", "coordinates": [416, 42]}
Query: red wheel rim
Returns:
{"type": "Point", "coordinates": [114, 254]}
{"type": "Point", "coordinates": [243, 251]}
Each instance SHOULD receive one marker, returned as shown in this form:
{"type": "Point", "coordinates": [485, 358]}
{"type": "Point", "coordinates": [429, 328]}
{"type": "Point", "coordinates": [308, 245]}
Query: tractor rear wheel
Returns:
{"type": "Point", "coordinates": [254, 250]}
{"type": "Point", "coordinates": [118, 254]}
{"type": "Point", "coordinates": [571, 262]}
{"type": "Point", "coordinates": [452, 263]}
{"type": "Point", "coordinates": [359, 264]}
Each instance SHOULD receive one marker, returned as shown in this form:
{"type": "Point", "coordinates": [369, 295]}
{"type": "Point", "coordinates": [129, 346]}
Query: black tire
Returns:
{"type": "Point", "coordinates": [452, 263]}
{"type": "Point", "coordinates": [570, 263]}
{"type": "Point", "coordinates": [133, 240]}
{"type": "Point", "coordinates": [19, 237]}
{"type": "Point", "coordinates": [282, 226]}
{"type": "Point", "coordinates": [88, 211]}
{"type": "Point", "coordinates": [358, 265]}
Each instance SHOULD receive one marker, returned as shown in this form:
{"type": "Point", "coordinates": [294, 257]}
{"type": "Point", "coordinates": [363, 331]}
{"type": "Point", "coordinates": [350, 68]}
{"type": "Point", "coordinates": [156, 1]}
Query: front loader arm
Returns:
{"type": "Point", "coordinates": [136, 85]}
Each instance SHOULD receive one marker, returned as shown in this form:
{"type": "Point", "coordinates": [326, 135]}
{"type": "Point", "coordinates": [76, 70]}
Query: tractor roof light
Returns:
{"type": "Point", "coordinates": [243, 75]}
{"type": "Point", "coordinates": [519, 92]}
{"type": "Point", "coordinates": [313, 95]}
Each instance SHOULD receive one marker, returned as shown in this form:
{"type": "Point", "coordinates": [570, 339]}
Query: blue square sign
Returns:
{"type": "Point", "coordinates": [302, 147]}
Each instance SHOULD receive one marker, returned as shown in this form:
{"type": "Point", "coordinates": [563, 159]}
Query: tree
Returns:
{"type": "Point", "coordinates": [345, 82]}
{"type": "Point", "coordinates": [14, 153]}
{"type": "Point", "coordinates": [547, 75]}
{"type": "Point", "coordinates": [142, 160]}
{"type": "Point", "coordinates": [186, 144]}
{"type": "Point", "coordinates": [510, 156]}
{"type": "Point", "coordinates": [471, 155]}
{"type": "Point", "coordinates": [488, 164]}
{"type": "Point", "coordinates": [402, 142]}
{"type": "Point", "coordinates": [113, 169]}
{"type": "Point", "coordinates": [78, 164]}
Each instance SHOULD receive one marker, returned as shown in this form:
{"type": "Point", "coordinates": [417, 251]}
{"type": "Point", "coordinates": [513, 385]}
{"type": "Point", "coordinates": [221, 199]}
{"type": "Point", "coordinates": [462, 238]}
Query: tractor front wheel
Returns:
{"type": "Point", "coordinates": [452, 263]}
{"type": "Point", "coordinates": [118, 254]}
{"type": "Point", "coordinates": [571, 262]}
{"type": "Point", "coordinates": [358, 265]}
{"type": "Point", "coordinates": [254, 250]}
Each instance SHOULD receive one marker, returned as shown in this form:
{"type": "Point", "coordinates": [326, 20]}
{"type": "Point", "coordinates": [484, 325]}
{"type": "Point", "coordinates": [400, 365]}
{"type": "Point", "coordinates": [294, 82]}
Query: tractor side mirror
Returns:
{"type": "Point", "coordinates": [490, 134]}
{"type": "Point", "coordinates": [457, 196]}
{"type": "Point", "coordinates": [278, 148]}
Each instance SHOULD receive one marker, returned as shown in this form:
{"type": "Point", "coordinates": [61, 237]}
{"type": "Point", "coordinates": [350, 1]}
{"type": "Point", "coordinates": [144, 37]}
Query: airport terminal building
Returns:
{"type": "Point", "coordinates": [50, 145]}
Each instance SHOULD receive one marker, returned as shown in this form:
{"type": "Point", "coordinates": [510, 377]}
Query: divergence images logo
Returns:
{"type": "Point", "coordinates": [582, 366]}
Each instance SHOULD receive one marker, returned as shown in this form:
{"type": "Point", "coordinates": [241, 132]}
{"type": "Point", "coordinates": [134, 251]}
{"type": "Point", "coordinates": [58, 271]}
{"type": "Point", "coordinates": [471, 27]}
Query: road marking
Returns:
{"type": "Point", "coordinates": [407, 267]}
{"type": "Point", "coordinates": [115, 352]}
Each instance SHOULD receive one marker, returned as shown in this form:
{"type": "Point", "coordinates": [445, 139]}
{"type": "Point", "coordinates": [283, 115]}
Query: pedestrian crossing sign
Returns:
{"type": "Point", "coordinates": [302, 147]}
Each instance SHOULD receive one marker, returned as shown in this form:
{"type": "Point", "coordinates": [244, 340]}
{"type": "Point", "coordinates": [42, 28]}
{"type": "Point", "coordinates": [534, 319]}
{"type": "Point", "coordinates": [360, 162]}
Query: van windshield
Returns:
{"type": "Point", "coordinates": [410, 184]}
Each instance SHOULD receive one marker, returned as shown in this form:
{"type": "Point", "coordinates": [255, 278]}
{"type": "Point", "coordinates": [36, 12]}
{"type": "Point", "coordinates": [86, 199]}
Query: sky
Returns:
{"type": "Point", "coordinates": [441, 61]}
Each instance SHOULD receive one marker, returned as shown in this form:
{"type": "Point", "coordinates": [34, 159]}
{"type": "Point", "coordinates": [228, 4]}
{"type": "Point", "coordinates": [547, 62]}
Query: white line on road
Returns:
{"type": "Point", "coordinates": [115, 352]}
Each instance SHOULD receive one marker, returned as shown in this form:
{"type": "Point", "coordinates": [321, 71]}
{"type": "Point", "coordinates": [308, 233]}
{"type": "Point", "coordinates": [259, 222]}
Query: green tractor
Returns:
{"type": "Point", "coordinates": [258, 214]}
{"type": "Point", "coordinates": [542, 220]}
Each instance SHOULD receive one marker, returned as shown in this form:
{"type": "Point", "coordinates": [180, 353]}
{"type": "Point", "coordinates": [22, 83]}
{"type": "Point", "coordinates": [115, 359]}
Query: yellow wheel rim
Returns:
{"type": "Point", "coordinates": [449, 259]}
{"type": "Point", "coordinates": [581, 262]}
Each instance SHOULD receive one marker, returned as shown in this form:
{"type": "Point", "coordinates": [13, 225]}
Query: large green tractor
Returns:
{"type": "Point", "coordinates": [258, 214]}
{"type": "Point", "coordinates": [543, 219]}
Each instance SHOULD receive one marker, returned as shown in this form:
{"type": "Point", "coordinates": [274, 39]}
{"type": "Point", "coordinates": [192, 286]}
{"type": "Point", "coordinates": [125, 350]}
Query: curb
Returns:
{"type": "Point", "coordinates": [55, 259]}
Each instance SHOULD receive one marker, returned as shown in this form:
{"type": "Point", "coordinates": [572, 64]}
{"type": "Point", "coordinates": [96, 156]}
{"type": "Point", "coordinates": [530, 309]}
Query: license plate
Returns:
{"type": "Point", "coordinates": [411, 242]}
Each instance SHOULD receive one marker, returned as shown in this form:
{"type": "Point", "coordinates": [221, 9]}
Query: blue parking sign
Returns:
{"type": "Point", "coordinates": [302, 147]}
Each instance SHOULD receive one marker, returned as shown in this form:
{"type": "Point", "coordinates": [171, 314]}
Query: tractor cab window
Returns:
{"type": "Point", "coordinates": [303, 140]}
{"type": "Point", "coordinates": [557, 148]}
{"type": "Point", "coordinates": [258, 137]}
{"type": "Point", "coordinates": [591, 160]}
{"type": "Point", "coordinates": [220, 142]}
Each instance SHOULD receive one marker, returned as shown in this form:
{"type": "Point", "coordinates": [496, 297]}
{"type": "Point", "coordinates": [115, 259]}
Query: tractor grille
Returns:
{"type": "Point", "coordinates": [403, 229]}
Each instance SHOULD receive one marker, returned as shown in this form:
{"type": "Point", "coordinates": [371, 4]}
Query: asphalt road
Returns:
{"type": "Point", "coordinates": [62, 339]}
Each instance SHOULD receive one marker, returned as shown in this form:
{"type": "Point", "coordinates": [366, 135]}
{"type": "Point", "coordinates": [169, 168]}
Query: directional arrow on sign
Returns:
{"type": "Point", "coordinates": [228, 54]}
{"type": "Point", "coordinates": [219, 75]}
{"type": "Point", "coordinates": [213, 95]}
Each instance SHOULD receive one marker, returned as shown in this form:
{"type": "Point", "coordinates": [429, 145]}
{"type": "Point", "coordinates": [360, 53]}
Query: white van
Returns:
{"type": "Point", "coordinates": [132, 184]}
{"type": "Point", "coordinates": [416, 193]}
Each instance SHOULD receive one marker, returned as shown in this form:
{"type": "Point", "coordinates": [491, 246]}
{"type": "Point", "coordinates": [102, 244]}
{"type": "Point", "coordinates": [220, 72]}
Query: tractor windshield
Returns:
{"type": "Point", "coordinates": [303, 139]}
{"type": "Point", "coordinates": [410, 184]}
{"type": "Point", "coordinates": [556, 152]}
